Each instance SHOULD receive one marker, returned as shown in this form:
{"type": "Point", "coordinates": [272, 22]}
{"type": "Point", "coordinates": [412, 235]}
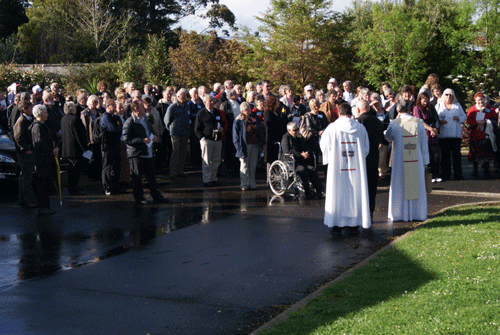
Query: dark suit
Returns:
{"type": "Point", "coordinates": [74, 143]}
{"type": "Point", "coordinates": [375, 130]}
{"type": "Point", "coordinates": [24, 144]}
{"type": "Point", "coordinates": [133, 134]}
{"type": "Point", "coordinates": [303, 167]}
{"type": "Point", "coordinates": [44, 160]}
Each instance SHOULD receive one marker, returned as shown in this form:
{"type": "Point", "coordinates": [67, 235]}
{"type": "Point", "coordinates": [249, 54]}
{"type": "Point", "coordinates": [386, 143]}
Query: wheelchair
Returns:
{"type": "Point", "coordinates": [282, 175]}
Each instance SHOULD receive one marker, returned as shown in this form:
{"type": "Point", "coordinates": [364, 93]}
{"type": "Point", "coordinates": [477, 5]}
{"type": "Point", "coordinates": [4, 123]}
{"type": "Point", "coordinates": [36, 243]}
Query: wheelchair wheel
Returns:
{"type": "Point", "coordinates": [278, 177]}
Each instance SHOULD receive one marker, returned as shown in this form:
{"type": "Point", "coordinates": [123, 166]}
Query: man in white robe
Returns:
{"type": "Point", "coordinates": [407, 194]}
{"type": "Point", "coordinates": [345, 145]}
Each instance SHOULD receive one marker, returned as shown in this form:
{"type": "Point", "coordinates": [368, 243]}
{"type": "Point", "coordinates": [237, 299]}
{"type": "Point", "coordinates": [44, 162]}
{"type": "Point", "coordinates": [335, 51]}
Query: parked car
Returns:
{"type": "Point", "coordinates": [9, 169]}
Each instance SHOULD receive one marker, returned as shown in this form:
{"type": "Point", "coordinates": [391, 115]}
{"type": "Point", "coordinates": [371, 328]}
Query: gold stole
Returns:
{"type": "Point", "coordinates": [410, 156]}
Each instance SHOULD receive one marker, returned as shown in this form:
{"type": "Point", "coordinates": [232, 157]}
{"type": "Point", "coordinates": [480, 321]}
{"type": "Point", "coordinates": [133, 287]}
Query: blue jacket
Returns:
{"type": "Point", "coordinates": [177, 119]}
{"type": "Point", "coordinates": [240, 136]}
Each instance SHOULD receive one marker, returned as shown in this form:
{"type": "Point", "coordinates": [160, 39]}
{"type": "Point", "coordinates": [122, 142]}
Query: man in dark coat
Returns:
{"type": "Point", "coordinates": [74, 143]}
{"type": "Point", "coordinates": [294, 144]}
{"type": "Point", "coordinates": [111, 127]}
{"type": "Point", "coordinates": [24, 148]}
{"type": "Point", "coordinates": [138, 134]}
{"type": "Point", "coordinates": [44, 151]}
{"type": "Point", "coordinates": [375, 130]}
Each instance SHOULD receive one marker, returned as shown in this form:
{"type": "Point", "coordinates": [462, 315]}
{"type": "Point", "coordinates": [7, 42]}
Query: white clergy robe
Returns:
{"type": "Point", "coordinates": [345, 145]}
{"type": "Point", "coordinates": [401, 209]}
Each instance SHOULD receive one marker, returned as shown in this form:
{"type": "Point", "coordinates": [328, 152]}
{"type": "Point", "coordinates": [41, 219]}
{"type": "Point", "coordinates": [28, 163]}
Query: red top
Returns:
{"type": "Point", "coordinates": [477, 134]}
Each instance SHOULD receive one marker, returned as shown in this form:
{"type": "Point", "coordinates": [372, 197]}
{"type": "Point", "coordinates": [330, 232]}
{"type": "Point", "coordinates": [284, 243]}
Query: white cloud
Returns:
{"type": "Point", "coordinates": [245, 12]}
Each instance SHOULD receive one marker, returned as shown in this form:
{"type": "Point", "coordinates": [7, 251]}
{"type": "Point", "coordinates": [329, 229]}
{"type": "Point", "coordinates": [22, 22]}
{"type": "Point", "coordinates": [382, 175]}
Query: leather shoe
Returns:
{"type": "Point", "coordinates": [142, 202]}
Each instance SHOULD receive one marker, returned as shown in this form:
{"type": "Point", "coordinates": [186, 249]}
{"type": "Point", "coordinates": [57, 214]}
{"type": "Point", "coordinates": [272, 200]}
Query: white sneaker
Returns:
{"type": "Point", "coordinates": [439, 180]}
{"type": "Point", "coordinates": [433, 180]}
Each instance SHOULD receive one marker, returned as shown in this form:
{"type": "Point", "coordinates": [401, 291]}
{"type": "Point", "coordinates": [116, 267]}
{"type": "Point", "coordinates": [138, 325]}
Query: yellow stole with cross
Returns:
{"type": "Point", "coordinates": [410, 156]}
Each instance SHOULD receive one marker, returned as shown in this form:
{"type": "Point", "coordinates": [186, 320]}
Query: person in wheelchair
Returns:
{"type": "Point", "coordinates": [294, 144]}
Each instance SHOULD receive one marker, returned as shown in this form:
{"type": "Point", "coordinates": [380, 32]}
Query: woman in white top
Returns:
{"type": "Point", "coordinates": [451, 116]}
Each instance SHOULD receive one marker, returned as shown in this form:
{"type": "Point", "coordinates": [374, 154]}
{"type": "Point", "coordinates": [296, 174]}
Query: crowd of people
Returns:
{"type": "Point", "coordinates": [355, 136]}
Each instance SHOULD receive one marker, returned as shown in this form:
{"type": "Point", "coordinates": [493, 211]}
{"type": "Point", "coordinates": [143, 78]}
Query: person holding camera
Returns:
{"type": "Point", "coordinates": [209, 127]}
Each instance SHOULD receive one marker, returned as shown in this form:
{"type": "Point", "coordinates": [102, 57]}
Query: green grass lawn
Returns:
{"type": "Point", "coordinates": [443, 279]}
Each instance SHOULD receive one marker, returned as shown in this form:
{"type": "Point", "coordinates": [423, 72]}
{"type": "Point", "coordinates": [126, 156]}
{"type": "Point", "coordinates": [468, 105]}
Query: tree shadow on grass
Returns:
{"type": "Point", "coordinates": [390, 275]}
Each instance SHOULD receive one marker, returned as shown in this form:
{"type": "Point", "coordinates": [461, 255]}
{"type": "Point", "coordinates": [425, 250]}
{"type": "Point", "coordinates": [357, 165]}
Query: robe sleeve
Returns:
{"type": "Point", "coordinates": [424, 146]}
{"type": "Point", "coordinates": [324, 145]}
{"type": "Point", "coordinates": [388, 134]}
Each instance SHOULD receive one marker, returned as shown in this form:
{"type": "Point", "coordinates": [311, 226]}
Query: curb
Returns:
{"type": "Point", "coordinates": [303, 303]}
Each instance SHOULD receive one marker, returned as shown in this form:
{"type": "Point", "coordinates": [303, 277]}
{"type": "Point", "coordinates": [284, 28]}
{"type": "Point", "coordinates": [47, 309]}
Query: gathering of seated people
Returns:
{"type": "Point", "coordinates": [129, 132]}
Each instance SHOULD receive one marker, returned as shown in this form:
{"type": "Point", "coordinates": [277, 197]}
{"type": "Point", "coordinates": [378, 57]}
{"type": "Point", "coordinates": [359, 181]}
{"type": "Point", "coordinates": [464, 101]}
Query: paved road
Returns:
{"type": "Point", "coordinates": [215, 261]}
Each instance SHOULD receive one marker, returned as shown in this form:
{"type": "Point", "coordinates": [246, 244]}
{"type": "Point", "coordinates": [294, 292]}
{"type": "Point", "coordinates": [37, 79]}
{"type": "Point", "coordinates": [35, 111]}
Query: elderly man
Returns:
{"type": "Point", "coordinates": [375, 131]}
{"type": "Point", "coordinates": [74, 143]}
{"type": "Point", "coordinates": [24, 148]}
{"type": "Point", "coordinates": [345, 146]}
{"type": "Point", "coordinates": [44, 152]}
{"type": "Point", "coordinates": [231, 108]}
{"type": "Point", "coordinates": [138, 135]}
{"type": "Point", "coordinates": [58, 97]}
{"type": "Point", "coordinates": [81, 103]}
{"type": "Point", "coordinates": [111, 129]}
{"type": "Point", "coordinates": [15, 113]}
{"type": "Point", "coordinates": [407, 194]}
{"type": "Point", "coordinates": [294, 144]}
{"type": "Point", "coordinates": [55, 115]}
{"type": "Point", "coordinates": [209, 127]}
{"type": "Point", "coordinates": [222, 96]}
{"type": "Point", "coordinates": [177, 121]}
{"type": "Point", "coordinates": [266, 88]}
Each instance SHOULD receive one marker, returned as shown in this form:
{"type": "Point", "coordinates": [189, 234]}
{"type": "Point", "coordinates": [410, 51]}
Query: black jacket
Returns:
{"type": "Point", "coordinates": [22, 135]}
{"type": "Point", "coordinates": [73, 136]}
{"type": "Point", "coordinates": [43, 149]}
{"type": "Point", "coordinates": [274, 133]}
{"type": "Point", "coordinates": [375, 130]}
{"type": "Point", "coordinates": [295, 146]}
{"type": "Point", "coordinates": [206, 123]}
{"type": "Point", "coordinates": [111, 130]}
{"type": "Point", "coordinates": [133, 135]}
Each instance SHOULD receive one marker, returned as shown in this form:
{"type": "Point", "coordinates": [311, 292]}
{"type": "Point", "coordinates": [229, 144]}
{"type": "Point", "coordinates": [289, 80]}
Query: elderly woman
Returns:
{"type": "Point", "coordinates": [249, 139]}
{"type": "Point", "coordinates": [313, 125]}
{"type": "Point", "coordinates": [89, 116]}
{"type": "Point", "coordinates": [480, 118]}
{"type": "Point", "coordinates": [425, 111]}
{"type": "Point", "coordinates": [451, 116]}
{"type": "Point", "coordinates": [45, 153]}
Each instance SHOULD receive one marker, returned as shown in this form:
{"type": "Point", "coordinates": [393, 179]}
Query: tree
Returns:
{"type": "Point", "coordinates": [201, 60]}
{"type": "Point", "coordinates": [99, 25]}
{"type": "Point", "coordinates": [302, 41]}
{"type": "Point", "coordinates": [12, 15]}
{"type": "Point", "coordinates": [393, 48]}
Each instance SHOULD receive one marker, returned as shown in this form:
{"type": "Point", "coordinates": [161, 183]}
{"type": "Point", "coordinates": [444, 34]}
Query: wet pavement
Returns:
{"type": "Point", "coordinates": [214, 261]}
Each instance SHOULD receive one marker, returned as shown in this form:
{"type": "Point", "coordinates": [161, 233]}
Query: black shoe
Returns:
{"type": "Point", "coordinates": [161, 200]}
{"type": "Point", "coordinates": [209, 184]}
{"type": "Point", "coordinates": [142, 202]}
{"type": "Point", "coordinates": [216, 183]}
{"type": "Point", "coordinates": [336, 231]}
{"type": "Point", "coordinates": [353, 230]}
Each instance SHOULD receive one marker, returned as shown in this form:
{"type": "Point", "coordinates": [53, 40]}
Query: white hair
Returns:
{"type": "Point", "coordinates": [38, 109]}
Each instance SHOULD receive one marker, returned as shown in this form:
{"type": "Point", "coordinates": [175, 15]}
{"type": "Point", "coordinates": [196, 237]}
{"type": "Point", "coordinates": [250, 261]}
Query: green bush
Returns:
{"type": "Point", "coordinates": [80, 76]}
{"type": "Point", "coordinates": [9, 73]}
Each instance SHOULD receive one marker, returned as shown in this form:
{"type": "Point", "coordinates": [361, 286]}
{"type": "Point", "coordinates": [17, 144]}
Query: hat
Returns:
{"type": "Point", "coordinates": [478, 95]}
{"type": "Point", "coordinates": [332, 80]}
{"type": "Point", "coordinates": [36, 89]}
{"type": "Point", "coordinates": [308, 88]}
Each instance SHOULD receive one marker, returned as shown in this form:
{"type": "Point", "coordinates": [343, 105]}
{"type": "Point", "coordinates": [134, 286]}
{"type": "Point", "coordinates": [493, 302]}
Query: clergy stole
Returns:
{"type": "Point", "coordinates": [410, 156]}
